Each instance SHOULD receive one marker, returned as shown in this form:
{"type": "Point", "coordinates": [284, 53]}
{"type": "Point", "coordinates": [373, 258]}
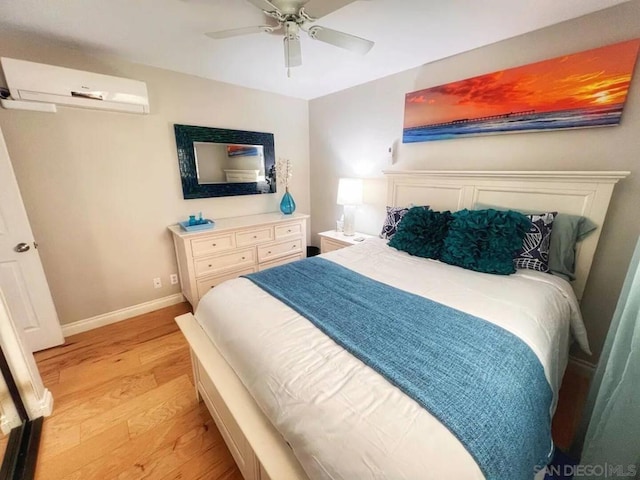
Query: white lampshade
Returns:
{"type": "Point", "coordinates": [349, 195]}
{"type": "Point", "coordinates": [350, 191]}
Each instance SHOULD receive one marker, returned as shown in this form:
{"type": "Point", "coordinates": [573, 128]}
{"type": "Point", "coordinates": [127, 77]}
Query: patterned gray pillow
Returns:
{"type": "Point", "coordinates": [390, 225]}
{"type": "Point", "coordinates": [534, 254]}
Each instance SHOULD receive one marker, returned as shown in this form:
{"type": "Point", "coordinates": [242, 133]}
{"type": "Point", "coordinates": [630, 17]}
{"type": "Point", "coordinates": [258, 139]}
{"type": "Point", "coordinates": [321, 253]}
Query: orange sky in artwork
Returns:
{"type": "Point", "coordinates": [596, 77]}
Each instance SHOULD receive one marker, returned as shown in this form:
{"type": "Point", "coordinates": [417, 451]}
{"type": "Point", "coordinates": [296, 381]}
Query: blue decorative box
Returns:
{"type": "Point", "coordinates": [194, 228]}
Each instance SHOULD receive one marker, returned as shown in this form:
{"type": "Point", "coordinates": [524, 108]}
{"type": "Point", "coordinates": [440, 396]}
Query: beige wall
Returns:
{"type": "Point", "coordinates": [351, 131]}
{"type": "Point", "coordinates": [100, 188]}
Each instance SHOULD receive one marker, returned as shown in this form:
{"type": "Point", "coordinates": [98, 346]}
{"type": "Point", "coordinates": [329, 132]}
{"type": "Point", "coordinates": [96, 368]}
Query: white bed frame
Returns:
{"type": "Point", "coordinates": [257, 447]}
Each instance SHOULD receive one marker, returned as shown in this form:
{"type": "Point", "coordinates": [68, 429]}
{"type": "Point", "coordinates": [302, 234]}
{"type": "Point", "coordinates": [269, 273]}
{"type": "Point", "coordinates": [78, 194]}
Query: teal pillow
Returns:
{"type": "Point", "coordinates": [422, 232]}
{"type": "Point", "coordinates": [567, 231]}
{"type": "Point", "coordinates": [485, 240]}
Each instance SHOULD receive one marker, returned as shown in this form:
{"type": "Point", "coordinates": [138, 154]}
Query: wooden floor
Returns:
{"type": "Point", "coordinates": [571, 400]}
{"type": "Point", "coordinates": [125, 407]}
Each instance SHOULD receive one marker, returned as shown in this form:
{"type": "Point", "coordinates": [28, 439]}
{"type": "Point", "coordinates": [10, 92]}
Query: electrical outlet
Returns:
{"type": "Point", "coordinates": [173, 278]}
{"type": "Point", "coordinates": [157, 283]}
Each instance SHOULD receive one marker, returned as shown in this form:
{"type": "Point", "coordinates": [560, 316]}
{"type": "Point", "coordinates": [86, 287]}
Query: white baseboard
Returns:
{"type": "Point", "coordinates": [46, 404]}
{"type": "Point", "coordinates": [119, 315]}
{"type": "Point", "coordinates": [582, 367]}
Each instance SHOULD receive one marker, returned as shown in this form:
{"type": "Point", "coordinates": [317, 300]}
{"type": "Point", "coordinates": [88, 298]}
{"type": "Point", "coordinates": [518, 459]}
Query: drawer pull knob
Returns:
{"type": "Point", "coordinates": [255, 236]}
{"type": "Point", "coordinates": [288, 231]}
{"type": "Point", "coordinates": [213, 244]}
{"type": "Point", "coordinates": [242, 258]}
{"type": "Point", "coordinates": [269, 252]}
{"type": "Point", "coordinates": [209, 266]}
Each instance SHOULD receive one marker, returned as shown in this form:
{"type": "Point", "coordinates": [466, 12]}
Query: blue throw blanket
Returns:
{"type": "Point", "coordinates": [482, 382]}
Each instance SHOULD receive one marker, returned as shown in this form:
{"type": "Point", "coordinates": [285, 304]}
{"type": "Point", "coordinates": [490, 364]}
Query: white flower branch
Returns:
{"type": "Point", "coordinates": [284, 171]}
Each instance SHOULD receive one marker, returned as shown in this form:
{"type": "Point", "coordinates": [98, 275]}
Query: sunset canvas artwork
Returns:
{"type": "Point", "coordinates": [586, 89]}
{"type": "Point", "coordinates": [242, 151]}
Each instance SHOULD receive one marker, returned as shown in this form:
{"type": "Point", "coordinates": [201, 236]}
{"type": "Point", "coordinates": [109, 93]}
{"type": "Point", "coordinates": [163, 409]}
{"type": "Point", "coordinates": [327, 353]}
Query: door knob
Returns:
{"type": "Point", "coordinates": [22, 247]}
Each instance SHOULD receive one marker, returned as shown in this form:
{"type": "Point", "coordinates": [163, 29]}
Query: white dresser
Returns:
{"type": "Point", "coordinates": [236, 246]}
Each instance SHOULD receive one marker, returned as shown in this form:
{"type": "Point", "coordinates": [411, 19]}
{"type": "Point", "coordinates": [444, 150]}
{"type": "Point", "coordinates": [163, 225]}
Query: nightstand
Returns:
{"type": "Point", "coordinates": [332, 240]}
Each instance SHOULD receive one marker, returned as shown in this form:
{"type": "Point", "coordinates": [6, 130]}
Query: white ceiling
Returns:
{"type": "Point", "coordinates": [169, 34]}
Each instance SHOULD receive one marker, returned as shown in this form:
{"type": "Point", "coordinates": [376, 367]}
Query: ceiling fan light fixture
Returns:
{"type": "Point", "coordinates": [292, 49]}
{"type": "Point", "coordinates": [291, 15]}
{"type": "Point", "coordinates": [292, 52]}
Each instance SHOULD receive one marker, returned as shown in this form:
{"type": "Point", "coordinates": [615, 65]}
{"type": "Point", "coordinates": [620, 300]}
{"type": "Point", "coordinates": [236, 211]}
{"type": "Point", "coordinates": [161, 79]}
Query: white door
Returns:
{"type": "Point", "coordinates": [22, 280]}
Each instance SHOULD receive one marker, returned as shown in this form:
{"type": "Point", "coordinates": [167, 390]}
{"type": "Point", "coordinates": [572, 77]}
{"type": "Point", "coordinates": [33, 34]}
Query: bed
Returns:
{"type": "Point", "coordinates": [293, 404]}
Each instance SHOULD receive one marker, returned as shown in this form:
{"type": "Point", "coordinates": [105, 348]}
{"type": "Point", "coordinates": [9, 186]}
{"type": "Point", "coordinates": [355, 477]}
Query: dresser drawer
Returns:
{"type": "Point", "coordinates": [252, 237]}
{"type": "Point", "coordinates": [212, 244]}
{"type": "Point", "coordinates": [280, 261]}
{"type": "Point", "coordinates": [288, 230]}
{"type": "Point", "coordinates": [277, 250]}
{"type": "Point", "coordinates": [208, 283]}
{"type": "Point", "coordinates": [225, 262]}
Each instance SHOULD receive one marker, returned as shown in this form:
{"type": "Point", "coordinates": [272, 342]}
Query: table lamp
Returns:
{"type": "Point", "coordinates": [349, 195]}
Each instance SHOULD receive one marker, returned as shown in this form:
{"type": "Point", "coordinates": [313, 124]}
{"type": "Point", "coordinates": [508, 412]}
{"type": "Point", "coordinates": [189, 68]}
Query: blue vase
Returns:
{"type": "Point", "coordinates": [287, 205]}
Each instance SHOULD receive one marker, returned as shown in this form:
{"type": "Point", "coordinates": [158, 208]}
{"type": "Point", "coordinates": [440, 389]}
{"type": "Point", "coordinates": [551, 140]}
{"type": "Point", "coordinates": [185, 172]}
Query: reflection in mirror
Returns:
{"type": "Point", "coordinates": [218, 162]}
{"type": "Point", "coordinates": [20, 446]}
{"type": "Point", "coordinates": [228, 163]}
{"type": "Point", "coordinates": [10, 416]}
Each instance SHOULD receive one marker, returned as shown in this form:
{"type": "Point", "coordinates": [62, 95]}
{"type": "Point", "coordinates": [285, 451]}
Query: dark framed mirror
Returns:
{"type": "Point", "coordinates": [217, 162]}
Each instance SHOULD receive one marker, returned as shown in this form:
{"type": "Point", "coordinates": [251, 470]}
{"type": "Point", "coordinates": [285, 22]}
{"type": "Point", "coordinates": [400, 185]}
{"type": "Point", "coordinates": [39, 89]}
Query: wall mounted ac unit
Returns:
{"type": "Point", "coordinates": [37, 82]}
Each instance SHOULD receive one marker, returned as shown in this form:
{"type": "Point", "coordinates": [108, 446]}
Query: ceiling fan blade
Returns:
{"type": "Point", "coordinates": [340, 39]}
{"type": "Point", "coordinates": [320, 8]}
{"type": "Point", "coordinates": [265, 5]}
{"type": "Point", "coordinates": [236, 32]}
{"type": "Point", "coordinates": [292, 52]}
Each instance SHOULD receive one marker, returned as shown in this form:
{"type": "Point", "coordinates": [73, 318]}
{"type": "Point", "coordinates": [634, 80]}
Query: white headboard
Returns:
{"type": "Point", "coordinates": [578, 193]}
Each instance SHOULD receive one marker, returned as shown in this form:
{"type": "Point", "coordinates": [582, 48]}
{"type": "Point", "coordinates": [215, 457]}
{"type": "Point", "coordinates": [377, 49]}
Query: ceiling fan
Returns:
{"type": "Point", "coordinates": [292, 18]}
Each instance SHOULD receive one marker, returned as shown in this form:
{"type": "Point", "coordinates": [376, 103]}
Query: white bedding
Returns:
{"type": "Point", "coordinates": [342, 419]}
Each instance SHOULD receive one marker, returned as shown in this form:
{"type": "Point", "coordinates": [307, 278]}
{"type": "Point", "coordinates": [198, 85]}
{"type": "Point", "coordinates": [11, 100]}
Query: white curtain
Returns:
{"type": "Point", "coordinates": [611, 446]}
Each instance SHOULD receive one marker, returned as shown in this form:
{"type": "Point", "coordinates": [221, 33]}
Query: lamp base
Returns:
{"type": "Point", "coordinates": [349, 220]}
